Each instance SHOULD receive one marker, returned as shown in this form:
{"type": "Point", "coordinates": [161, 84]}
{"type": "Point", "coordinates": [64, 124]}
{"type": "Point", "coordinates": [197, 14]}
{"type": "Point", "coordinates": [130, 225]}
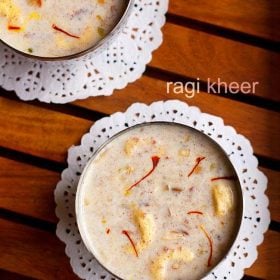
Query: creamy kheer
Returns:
{"type": "Point", "coordinates": [52, 28]}
{"type": "Point", "coordinates": [159, 202]}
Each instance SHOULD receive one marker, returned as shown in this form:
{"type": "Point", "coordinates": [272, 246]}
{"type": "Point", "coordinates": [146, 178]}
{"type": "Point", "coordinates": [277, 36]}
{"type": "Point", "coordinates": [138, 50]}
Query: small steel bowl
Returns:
{"type": "Point", "coordinates": [91, 51]}
{"type": "Point", "coordinates": [78, 202]}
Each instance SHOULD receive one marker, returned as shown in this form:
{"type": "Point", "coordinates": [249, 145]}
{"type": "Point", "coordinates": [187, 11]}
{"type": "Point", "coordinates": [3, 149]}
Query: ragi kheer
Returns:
{"type": "Point", "coordinates": [57, 28]}
{"type": "Point", "coordinates": [159, 201]}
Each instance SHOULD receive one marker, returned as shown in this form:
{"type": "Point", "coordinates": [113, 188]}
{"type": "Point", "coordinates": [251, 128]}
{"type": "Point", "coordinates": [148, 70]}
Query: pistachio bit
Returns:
{"type": "Point", "coordinates": [86, 202]}
{"type": "Point", "coordinates": [101, 32]}
{"type": "Point", "coordinates": [212, 166]}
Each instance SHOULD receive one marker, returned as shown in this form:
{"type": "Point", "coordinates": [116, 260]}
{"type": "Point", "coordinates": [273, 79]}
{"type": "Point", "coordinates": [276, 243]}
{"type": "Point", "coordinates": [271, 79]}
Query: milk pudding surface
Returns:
{"type": "Point", "coordinates": [55, 28]}
{"type": "Point", "coordinates": [158, 202]}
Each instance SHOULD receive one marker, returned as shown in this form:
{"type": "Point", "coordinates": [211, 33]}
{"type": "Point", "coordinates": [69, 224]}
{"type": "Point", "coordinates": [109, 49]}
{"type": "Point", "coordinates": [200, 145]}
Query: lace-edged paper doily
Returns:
{"type": "Point", "coordinates": [256, 215]}
{"type": "Point", "coordinates": [122, 62]}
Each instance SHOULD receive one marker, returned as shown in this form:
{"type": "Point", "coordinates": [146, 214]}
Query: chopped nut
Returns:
{"type": "Point", "coordinates": [184, 152]}
{"type": "Point", "coordinates": [187, 138]}
{"type": "Point", "coordinates": [146, 225]}
{"type": "Point", "coordinates": [180, 254]}
{"type": "Point", "coordinates": [99, 17]}
{"type": "Point", "coordinates": [173, 235]}
{"type": "Point", "coordinates": [154, 141]}
{"type": "Point", "coordinates": [201, 251]}
{"type": "Point", "coordinates": [167, 187]}
{"type": "Point", "coordinates": [130, 145]}
{"type": "Point", "coordinates": [184, 232]}
{"type": "Point", "coordinates": [176, 189]}
{"type": "Point", "coordinates": [160, 151]}
{"type": "Point", "coordinates": [175, 266]}
{"type": "Point", "coordinates": [223, 199]}
{"type": "Point", "coordinates": [126, 170]}
{"type": "Point", "coordinates": [101, 31]}
{"type": "Point", "coordinates": [169, 212]}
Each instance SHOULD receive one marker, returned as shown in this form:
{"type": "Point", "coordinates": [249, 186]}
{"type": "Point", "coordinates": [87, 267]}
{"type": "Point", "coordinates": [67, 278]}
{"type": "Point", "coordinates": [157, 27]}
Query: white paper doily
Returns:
{"type": "Point", "coordinates": [256, 216]}
{"type": "Point", "coordinates": [121, 63]}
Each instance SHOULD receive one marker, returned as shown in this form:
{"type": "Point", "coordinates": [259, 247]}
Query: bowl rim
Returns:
{"type": "Point", "coordinates": [97, 46]}
{"type": "Point", "coordinates": [78, 204]}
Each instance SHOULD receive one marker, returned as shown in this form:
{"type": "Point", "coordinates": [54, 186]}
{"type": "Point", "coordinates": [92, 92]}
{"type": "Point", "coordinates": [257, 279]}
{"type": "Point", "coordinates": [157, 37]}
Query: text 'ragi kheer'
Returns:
{"type": "Point", "coordinates": [51, 28]}
{"type": "Point", "coordinates": [159, 201]}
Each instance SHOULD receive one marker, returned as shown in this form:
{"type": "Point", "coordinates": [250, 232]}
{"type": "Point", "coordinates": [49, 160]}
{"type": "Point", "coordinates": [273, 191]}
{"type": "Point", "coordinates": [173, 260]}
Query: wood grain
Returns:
{"type": "Point", "coordinates": [49, 134]}
{"type": "Point", "coordinates": [259, 18]}
{"type": "Point", "coordinates": [196, 54]}
{"type": "Point", "coordinates": [27, 189]}
{"type": "Point", "coordinates": [7, 275]}
{"type": "Point", "coordinates": [264, 134]}
{"type": "Point", "coordinates": [38, 131]}
{"type": "Point", "coordinates": [273, 192]}
{"type": "Point", "coordinates": [267, 264]}
{"type": "Point", "coordinates": [33, 252]}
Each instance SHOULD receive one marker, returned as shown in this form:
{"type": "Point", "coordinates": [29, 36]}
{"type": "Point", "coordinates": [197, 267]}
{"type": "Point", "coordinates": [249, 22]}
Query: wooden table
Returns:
{"type": "Point", "coordinates": [234, 40]}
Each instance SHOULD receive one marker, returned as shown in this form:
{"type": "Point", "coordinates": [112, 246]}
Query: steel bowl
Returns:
{"type": "Point", "coordinates": [78, 203]}
{"type": "Point", "coordinates": [94, 49]}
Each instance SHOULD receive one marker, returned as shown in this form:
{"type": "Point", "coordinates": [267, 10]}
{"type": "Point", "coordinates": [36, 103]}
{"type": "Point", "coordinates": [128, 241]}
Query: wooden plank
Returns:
{"type": "Point", "coordinates": [27, 189]}
{"type": "Point", "coordinates": [267, 264]}
{"type": "Point", "coordinates": [33, 253]}
{"type": "Point", "coordinates": [273, 192]}
{"type": "Point", "coordinates": [259, 18]}
{"type": "Point", "coordinates": [7, 275]}
{"type": "Point", "coordinates": [39, 131]}
{"type": "Point", "coordinates": [42, 256]}
{"type": "Point", "coordinates": [264, 133]}
{"type": "Point", "coordinates": [196, 54]}
{"type": "Point", "coordinates": [50, 134]}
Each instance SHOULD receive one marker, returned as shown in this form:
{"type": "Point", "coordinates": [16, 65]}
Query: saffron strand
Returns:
{"type": "Point", "coordinates": [55, 27]}
{"type": "Point", "coordinates": [195, 212]}
{"type": "Point", "coordinates": [198, 161]}
{"type": "Point", "coordinates": [125, 232]}
{"type": "Point", "coordinates": [224, 178]}
{"type": "Point", "coordinates": [210, 245]}
{"type": "Point", "coordinates": [155, 161]}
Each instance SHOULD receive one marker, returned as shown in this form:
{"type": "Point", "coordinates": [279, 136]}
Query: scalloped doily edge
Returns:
{"type": "Point", "coordinates": [254, 253]}
{"type": "Point", "coordinates": [147, 58]}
